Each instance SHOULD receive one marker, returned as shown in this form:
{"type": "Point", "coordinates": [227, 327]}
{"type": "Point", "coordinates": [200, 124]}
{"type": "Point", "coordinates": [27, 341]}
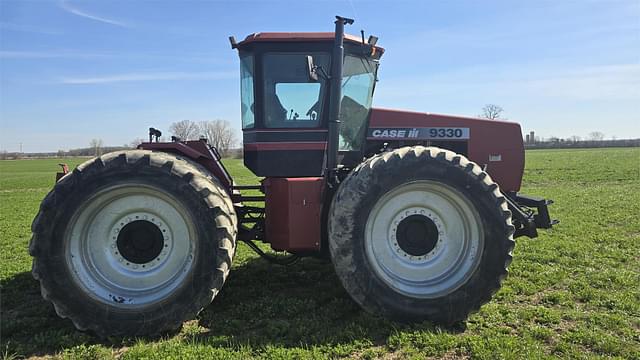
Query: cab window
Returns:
{"type": "Point", "coordinates": [246, 92]}
{"type": "Point", "coordinates": [291, 100]}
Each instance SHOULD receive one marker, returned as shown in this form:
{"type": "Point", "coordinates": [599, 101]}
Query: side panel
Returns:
{"type": "Point", "coordinates": [496, 145]}
{"type": "Point", "coordinates": [285, 153]}
{"type": "Point", "coordinates": [293, 207]}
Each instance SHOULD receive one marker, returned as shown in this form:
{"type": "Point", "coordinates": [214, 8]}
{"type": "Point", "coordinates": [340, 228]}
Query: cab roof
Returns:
{"type": "Point", "coordinates": [299, 37]}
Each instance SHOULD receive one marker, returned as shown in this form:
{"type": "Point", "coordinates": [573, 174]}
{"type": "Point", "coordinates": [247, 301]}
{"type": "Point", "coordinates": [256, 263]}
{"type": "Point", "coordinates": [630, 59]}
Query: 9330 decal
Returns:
{"type": "Point", "coordinates": [420, 133]}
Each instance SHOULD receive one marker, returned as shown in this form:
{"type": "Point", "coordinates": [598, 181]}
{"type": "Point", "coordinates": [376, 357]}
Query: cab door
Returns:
{"type": "Point", "coordinates": [289, 138]}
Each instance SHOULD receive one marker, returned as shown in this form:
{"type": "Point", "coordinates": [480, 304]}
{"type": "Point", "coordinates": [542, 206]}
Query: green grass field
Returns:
{"type": "Point", "coordinates": [574, 292]}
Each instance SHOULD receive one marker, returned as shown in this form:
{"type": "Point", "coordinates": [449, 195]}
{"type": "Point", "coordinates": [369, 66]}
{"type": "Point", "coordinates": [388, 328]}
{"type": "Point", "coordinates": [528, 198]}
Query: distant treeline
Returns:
{"type": "Point", "coordinates": [568, 144]}
{"type": "Point", "coordinates": [85, 152]}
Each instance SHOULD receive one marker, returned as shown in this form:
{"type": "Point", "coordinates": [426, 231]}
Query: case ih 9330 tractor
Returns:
{"type": "Point", "coordinates": [416, 211]}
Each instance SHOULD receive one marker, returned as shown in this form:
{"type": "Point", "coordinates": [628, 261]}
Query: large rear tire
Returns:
{"type": "Point", "coordinates": [133, 243]}
{"type": "Point", "coordinates": [420, 233]}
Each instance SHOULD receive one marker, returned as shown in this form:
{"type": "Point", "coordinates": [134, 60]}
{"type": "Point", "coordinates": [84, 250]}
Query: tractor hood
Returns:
{"type": "Point", "coordinates": [494, 144]}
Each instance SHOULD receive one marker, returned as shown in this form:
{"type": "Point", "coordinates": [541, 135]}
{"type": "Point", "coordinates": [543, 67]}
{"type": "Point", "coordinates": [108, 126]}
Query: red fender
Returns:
{"type": "Point", "coordinates": [198, 151]}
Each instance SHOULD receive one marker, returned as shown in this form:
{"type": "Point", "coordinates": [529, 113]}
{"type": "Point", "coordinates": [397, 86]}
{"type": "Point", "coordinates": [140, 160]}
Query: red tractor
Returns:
{"type": "Point", "coordinates": [416, 211]}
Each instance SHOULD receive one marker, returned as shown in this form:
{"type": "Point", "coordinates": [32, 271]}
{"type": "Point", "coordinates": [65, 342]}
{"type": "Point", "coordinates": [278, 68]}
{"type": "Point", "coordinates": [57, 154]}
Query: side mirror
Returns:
{"type": "Point", "coordinates": [312, 69]}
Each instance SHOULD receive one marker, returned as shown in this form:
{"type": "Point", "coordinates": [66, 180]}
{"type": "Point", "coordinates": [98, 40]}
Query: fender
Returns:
{"type": "Point", "coordinates": [198, 151]}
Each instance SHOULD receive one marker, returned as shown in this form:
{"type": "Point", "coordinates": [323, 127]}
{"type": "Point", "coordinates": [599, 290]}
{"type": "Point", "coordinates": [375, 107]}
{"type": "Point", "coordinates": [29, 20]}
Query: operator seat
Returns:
{"type": "Point", "coordinates": [275, 113]}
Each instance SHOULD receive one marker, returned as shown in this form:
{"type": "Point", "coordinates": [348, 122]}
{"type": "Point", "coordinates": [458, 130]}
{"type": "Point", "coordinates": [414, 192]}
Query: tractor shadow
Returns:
{"type": "Point", "coordinates": [260, 305]}
{"type": "Point", "coordinates": [29, 325]}
{"type": "Point", "coordinates": [303, 304]}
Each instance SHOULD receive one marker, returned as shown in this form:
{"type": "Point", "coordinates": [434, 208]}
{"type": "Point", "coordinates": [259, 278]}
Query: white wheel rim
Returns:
{"type": "Point", "coordinates": [451, 260]}
{"type": "Point", "coordinates": [93, 243]}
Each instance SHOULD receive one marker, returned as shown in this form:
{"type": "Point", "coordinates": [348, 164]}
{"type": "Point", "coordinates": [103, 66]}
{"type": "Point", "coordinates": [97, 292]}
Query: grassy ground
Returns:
{"type": "Point", "coordinates": [574, 292]}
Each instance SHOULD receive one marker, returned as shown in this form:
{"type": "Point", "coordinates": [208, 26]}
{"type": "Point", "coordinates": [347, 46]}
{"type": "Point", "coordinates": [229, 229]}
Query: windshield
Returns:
{"type": "Point", "coordinates": [358, 78]}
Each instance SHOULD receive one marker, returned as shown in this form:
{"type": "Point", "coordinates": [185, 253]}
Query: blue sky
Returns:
{"type": "Point", "coordinates": [72, 71]}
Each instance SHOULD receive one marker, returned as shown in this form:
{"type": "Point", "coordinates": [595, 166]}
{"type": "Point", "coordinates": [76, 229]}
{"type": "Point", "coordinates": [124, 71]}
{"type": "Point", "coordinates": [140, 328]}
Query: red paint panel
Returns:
{"type": "Point", "coordinates": [486, 138]}
{"type": "Point", "coordinates": [293, 213]}
{"type": "Point", "coordinates": [320, 145]}
{"type": "Point", "coordinates": [299, 36]}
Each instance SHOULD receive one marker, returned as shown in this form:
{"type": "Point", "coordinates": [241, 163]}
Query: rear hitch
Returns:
{"type": "Point", "coordinates": [529, 214]}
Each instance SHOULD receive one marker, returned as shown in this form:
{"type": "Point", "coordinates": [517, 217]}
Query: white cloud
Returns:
{"type": "Point", "coordinates": [65, 5]}
{"type": "Point", "coordinates": [158, 76]}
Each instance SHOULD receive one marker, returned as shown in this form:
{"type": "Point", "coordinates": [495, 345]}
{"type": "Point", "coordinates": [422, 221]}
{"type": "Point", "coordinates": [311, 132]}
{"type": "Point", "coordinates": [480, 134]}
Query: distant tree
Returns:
{"type": "Point", "coordinates": [596, 136]}
{"type": "Point", "coordinates": [185, 130]}
{"type": "Point", "coordinates": [492, 112]}
{"type": "Point", "coordinates": [575, 138]}
{"type": "Point", "coordinates": [60, 153]}
{"type": "Point", "coordinates": [135, 142]}
{"type": "Point", "coordinates": [96, 146]}
{"type": "Point", "coordinates": [220, 134]}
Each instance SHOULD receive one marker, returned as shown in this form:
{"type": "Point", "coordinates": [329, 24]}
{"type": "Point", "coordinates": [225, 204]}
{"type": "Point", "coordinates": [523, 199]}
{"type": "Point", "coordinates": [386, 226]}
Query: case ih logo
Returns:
{"type": "Point", "coordinates": [419, 133]}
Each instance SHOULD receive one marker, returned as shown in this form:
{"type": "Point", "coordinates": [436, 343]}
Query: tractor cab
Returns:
{"type": "Point", "coordinates": [286, 95]}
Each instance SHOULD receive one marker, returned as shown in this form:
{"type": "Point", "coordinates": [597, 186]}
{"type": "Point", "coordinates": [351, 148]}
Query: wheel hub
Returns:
{"type": "Point", "coordinates": [417, 235]}
{"type": "Point", "coordinates": [140, 242]}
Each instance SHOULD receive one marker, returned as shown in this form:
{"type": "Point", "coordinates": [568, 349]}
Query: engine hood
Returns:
{"type": "Point", "coordinates": [494, 144]}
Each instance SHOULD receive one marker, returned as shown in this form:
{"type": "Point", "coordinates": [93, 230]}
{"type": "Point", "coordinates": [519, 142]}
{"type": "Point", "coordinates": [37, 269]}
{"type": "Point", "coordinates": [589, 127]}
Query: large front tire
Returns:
{"type": "Point", "coordinates": [133, 243]}
{"type": "Point", "coordinates": [420, 233]}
